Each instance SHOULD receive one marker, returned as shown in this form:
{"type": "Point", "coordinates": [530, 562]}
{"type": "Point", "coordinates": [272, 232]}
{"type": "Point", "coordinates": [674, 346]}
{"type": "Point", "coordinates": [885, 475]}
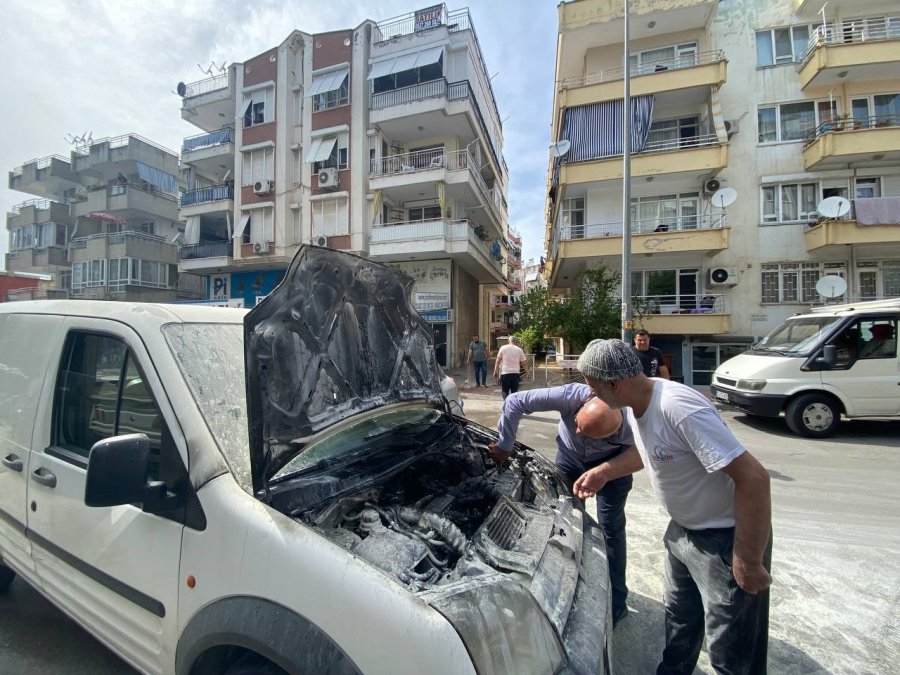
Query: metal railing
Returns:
{"type": "Point", "coordinates": [39, 203]}
{"type": "Point", "coordinates": [205, 86]}
{"type": "Point", "coordinates": [213, 138]}
{"type": "Point", "coordinates": [121, 142]}
{"type": "Point", "coordinates": [854, 31]}
{"type": "Point", "coordinates": [644, 226]}
{"type": "Point", "coordinates": [422, 160]}
{"type": "Point", "coordinates": [656, 144]}
{"type": "Point", "coordinates": [40, 162]}
{"type": "Point", "coordinates": [116, 238]}
{"type": "Point", "coordinates": [218, 249]}
{"type": "Point", "coordinates": [212, 193]}
{"type": "Point", "coordinates": [839, 124]}
{"type": "Point", "coordinates": [645, 68]}
{"type": "Point", "coordinates": [690, 303]}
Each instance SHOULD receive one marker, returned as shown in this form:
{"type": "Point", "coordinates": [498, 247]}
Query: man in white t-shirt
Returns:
{"type": "Point", "coordinates": [718, 495]}
{"type": "Point", "coordinates": [509, 364]}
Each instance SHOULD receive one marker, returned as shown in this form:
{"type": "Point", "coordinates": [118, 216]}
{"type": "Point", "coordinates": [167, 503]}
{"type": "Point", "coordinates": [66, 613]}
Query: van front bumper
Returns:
{"type": "Point", "coordinates": [763, 405]}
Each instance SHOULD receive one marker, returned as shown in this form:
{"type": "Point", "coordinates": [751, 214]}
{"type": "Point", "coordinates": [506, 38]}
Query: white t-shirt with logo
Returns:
{"type": "Point", "coordinates": [510, 358]}
{"type": "Point", "coordinates": [684, 444]}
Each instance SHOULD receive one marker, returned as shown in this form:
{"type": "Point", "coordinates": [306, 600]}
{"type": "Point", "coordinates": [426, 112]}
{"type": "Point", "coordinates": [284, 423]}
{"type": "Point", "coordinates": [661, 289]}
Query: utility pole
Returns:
{"type": "Point", "coordinates": [626, 192]}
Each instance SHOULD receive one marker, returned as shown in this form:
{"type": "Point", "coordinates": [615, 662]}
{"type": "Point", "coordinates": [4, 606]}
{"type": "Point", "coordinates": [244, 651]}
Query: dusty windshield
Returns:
{"type": "Point", "coordinates": [211, 359]}
{"type": "Point", "coordinates": [797, 336]}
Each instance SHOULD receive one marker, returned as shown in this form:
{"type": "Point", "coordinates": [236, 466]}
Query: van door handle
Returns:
{"type": "Point", "coordinates": [13, 462]}
{"type": "Point", "coordinates": [44, 477]}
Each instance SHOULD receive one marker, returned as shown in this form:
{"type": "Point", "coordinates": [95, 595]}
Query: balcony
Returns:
{"type": "Point", "coordinates": [207, 103]}
{"type": "Point", "coordinates": [42, 258]}
{"type": "Point", "coordinates": [702, 155]}
{"type": "Point", "coordinates": [436, 100]}
{"type": "Point", "coordinates": [46, 176]}
{"type": "Point", "coordinates": [458, 169]}
{"type": "Point", "coordinates": [102, 158]}
{"type": "Point", "coordinates": [211, 153]}
{"type": "Point", "coordinates": [876, 222]}
{"type": "Point", "coordinates": [709, 314]}
{"type": "Point", "coordinates": [205, 256]}
{"type": "Point", "coordinates": [862, 139]}
{"type": "Point", "coordinates": [865, 49]}
{"type": "Point", "coordinates": [38, 211]}
{"type": "Point", "coordinates": [129, 244]}
{"type": "Point", "coordinates": [702, 70]}
{"type": "Point", "coordinates": [127, 201]}
{"type": "Point", "coordinates": [207, 200]}
{"type": "Point", "coordinates": [423, 240]}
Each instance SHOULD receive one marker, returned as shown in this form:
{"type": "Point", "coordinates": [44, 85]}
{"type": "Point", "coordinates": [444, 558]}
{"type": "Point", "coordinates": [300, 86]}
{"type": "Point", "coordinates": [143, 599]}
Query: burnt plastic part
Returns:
{"type": "Point", "coordinates": [337, 337]}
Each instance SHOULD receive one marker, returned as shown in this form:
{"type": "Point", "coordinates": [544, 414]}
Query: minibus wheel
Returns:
{"type": "Point", "coordinates": [813, 415]}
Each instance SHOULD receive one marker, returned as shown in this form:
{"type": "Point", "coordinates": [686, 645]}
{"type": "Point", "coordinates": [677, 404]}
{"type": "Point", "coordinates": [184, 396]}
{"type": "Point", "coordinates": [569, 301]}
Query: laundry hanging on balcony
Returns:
{"type": "Point", "coordinates": [158, 178]}
{"type": "Point", "coordinates": [595, 130]}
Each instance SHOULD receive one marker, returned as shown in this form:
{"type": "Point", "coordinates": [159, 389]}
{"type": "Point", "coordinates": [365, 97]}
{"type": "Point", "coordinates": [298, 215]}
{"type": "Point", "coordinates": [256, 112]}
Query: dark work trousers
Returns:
{"type": "Point", "coordinates": [702, 596]}
{"type": "Point", "coordinates": [509, 383]}
{"type": "Point", "coordinates": [480, 373]}
{"type": "Point", "coordinates": [611, 516]}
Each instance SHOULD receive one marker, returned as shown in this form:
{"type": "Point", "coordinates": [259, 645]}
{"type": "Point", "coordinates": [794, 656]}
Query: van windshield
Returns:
{"type": "Point", "coordinates": [797, 337]}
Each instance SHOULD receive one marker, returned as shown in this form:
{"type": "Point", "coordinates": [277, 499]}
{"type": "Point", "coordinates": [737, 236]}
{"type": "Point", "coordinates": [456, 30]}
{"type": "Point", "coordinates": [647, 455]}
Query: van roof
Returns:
{"type": "Point", "coordinates": [889, 304]}
{"type": "Point", "coordinates": [136, 314]}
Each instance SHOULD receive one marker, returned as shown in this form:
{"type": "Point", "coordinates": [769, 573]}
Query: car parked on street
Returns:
{"type": "Point", "coordinates": [214, 490]}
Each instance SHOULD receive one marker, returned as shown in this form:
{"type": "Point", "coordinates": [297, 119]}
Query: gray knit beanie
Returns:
{"type": "Point", "coordinates": [609, 360]}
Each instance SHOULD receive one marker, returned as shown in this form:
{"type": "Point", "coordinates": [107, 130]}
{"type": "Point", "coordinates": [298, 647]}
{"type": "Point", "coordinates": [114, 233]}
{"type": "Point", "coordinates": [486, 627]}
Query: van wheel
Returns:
{"type": "Point", "coordinates": [6, 578]}
{"type": "Point", "coordinates": [813, 416]}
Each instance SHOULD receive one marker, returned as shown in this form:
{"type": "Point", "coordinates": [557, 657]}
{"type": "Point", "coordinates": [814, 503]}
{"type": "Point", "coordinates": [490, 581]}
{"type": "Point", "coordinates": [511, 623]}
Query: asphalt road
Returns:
{"type": "Point", "coordinates": [836, 559]}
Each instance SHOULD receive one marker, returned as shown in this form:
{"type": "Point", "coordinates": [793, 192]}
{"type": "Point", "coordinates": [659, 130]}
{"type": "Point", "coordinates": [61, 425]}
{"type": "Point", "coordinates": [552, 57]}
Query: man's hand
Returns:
{"type": "Point", "coordinates": [497, 454]}
{"type": "Point", "coordinates": [751, 577]}
{"type": "Point", "coordinates": [591, 482]}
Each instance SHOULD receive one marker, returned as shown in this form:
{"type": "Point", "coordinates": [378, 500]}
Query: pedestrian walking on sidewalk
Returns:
{"type": "Point", "coordinates": [719, 539]}
{"type": "Point", "coordinates": [589, 433]}
{"type": "Point", "coordinates": [478, 357]}
{"type": "Point", "coordinates": [510, 366]}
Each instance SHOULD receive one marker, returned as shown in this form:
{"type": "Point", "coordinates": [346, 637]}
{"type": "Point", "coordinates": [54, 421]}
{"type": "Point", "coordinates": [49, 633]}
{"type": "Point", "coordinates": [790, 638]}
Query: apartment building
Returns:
{"type": "Point", "coordinates": [101, 224]}
{"type": "Point", "coordinates": [383, 140]}
{"type": "Point", "coordinates": [745, 116]}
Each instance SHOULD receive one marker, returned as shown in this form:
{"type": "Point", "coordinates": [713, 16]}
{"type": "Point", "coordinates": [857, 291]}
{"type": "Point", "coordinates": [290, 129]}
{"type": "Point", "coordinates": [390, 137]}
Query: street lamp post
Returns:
{"type": "Point", "coordinates": [626, 193]}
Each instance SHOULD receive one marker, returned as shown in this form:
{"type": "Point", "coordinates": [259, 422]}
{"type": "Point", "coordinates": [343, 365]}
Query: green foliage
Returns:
{"type": "Point", "coordinates": [529, 338]}
{"type": "Point", "coordinates": [533, 309]}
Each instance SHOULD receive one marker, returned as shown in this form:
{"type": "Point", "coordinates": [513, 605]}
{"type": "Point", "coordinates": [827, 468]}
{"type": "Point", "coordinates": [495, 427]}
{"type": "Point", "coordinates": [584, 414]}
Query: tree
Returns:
{"type": "Point", "coordinates": [533, 309]}
{"type": "Point", "coordinates": [594, 311]}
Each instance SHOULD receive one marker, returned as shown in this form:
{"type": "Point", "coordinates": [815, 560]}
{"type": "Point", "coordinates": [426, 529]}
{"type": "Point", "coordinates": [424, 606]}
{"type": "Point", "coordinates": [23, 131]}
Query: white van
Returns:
{"type": "Point", "coordinates": [211, 490]}
{"type": "Point", "coordinates": [836, 360]}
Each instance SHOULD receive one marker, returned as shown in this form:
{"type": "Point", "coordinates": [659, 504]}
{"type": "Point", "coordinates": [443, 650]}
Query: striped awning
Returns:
{"type": "Point", "coordinates": [322, 84]}
{"type": "Point", "coordinates": [406, 62]}
{"type": "Point", "coordinates": [595, 130]}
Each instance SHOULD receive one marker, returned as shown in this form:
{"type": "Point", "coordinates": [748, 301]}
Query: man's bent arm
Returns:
{"type": "Point", "coordinates": [753, 521]}
{"type": "Point", "coordinates": [593, 480]}
{"type": "Point", "coordinates": [522, 403]}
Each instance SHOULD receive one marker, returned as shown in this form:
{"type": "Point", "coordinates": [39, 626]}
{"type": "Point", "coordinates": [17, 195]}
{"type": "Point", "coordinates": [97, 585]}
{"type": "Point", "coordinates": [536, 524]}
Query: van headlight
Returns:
{"type": "Point", "coordinates": [751, 385]}
{"type": "Point", "coordinates": [502, 626]}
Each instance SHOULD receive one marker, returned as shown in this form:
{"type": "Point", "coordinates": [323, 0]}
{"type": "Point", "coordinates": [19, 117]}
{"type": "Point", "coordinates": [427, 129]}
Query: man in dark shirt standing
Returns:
{"type": "Point", "coordinates": [478, 356]}
{"type": "Point", "coordinates": [651, 358]}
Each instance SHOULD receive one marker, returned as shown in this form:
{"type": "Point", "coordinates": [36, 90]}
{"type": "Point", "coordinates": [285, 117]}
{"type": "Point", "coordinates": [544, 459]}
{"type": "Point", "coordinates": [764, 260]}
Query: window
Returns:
{"type": "Point", "coordinates": [679, 132]}
{"type": "Point", "coordinates": [573, 217]}
{"type": "Point", "coordinates": [781, 45]}
{"type": "Point", "coordinates": [408, 70]}
{"type": "Point", "coordinates": [88, 274]}
{"type": "Point", "coordinates": [867, 188]}
{"type": "Point", "coordinates": [257, 165]}
{"type": "Point", "coordinates": [662, 213]}
{"type": "Point", "coordinates": [795, 282]}
{"type": "Point", "coordinates": [878, 279]}
{"type": "Point", "coordinates": [262, 227]}
{"type": "Point", "coordinates": [338, 159]}
{"type": "Point", "coordinates": [22, 238]}
{"type": "Point", "coordinates": [790, 203]}
{"type": "Point", "coordinates": [329, 217]}
{"type": "Point", "coordinates": [877, 110]}
{"type": "Point", "coordinates": [672, 290]}
{"type": "Point", "coordinates": [792, 121]}
{"type": "Point", "coordinates": [119, 274]}
{"type": "Point", "coordinates": [705, 358]}
{"type": "Point", "coordinates": [259, 107]}
{"type": "Point", "coordinates": [663, 58]}
{"type": "Point", "coordinates": [424, 213]}
{"type": "Point", "coordinates": [333, 98]}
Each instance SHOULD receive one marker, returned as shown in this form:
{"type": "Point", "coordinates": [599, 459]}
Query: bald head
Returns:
{"type": "Point", "coordinates": [596, 420]}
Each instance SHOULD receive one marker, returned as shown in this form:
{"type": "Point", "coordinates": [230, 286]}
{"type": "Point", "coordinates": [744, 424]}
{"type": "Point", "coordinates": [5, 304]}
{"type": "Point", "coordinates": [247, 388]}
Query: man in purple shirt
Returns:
{"type": "Point", "coordinates": [590, 433]}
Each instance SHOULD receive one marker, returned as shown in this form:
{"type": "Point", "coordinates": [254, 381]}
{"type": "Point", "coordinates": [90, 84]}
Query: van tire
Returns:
{"type": "Point", "coordinates": [6, 578]}
{"type": "Point", "coordinates": [813, 415]}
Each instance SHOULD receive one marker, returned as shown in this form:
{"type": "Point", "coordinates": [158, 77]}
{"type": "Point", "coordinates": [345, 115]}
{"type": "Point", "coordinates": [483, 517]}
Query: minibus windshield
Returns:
{"type": "Point", "coordinates": [796, 337]}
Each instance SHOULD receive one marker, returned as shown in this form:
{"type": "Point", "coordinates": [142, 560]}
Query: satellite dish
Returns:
{"type": "Point", "coordinates": [724, 198]}
{"type": "Point", "coordinates": [181, 89]}
{"type": "Point", "coordinates": [833, 207]}
{"type": "Point", "coordinates": [560, 147]}
{"type": "Point", "coordinates": [831, 286]}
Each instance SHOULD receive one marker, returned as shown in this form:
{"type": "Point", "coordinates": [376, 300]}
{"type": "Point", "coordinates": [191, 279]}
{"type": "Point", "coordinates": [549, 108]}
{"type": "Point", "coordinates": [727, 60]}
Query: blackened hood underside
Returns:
{"type": "Point", "coordinates": [338, 336]}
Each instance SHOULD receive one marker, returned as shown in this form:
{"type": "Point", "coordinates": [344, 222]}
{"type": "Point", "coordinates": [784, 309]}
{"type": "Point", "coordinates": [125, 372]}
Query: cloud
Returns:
{"type": "Point", "coordinates": [110, 68]}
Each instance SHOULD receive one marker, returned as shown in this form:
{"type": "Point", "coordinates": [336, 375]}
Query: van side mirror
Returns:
{"type": "Point", "coordinates": [829, 354]}
{"type": "Point", "coordinates": [117, 474]}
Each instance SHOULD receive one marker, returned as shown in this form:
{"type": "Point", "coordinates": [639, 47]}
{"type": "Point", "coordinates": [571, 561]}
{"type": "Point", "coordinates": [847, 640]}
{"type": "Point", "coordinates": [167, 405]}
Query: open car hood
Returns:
{"type": "Point", "coordinates": [337, 337]}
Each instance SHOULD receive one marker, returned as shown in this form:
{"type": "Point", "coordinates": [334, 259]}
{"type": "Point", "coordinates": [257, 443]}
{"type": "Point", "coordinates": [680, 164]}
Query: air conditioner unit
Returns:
{"type": "Point", "coordinates": [261, 247]}
{"type": "Point", "coordinates": [732, 127]}
{"type": "Point", "coordinates": [319, 240]}
{"type": "Point", "coordinates": [263, 187]}
{"type": "Point", "coordinates": [328, 177]}
{"type": "Point", "coordinates": [722, 276]}
{"type": "Point", "coordinates": [712, 185]}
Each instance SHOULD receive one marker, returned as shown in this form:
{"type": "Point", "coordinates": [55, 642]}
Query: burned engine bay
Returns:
{"type": "Point", "coordinates": [441, 511]}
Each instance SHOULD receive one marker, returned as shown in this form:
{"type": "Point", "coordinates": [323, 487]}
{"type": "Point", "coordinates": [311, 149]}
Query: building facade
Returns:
{"type": "Point", "coordinates": [745, 118]}
{"type": "Point", "coordinates": [383, 140]}
{"type": "Point", "coordinates": [102, 224]}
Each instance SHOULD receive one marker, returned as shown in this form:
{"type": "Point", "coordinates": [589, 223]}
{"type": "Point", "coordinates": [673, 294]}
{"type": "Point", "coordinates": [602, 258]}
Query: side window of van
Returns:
{"type": "Point", "coordinates": [879, 338]}
{"type": "Point", "coordinates": [101, 392]}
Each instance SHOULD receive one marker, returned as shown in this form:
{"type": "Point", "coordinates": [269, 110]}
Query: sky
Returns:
{"type": "Point", "coordinates": [110, 68]}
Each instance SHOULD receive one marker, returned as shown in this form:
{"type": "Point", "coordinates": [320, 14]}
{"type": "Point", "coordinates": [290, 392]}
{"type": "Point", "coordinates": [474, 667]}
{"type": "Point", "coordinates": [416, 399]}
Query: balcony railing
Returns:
{"type": "Point", "coordinates": [645, 226]}
{"type": "Point", "coordinates": [645, 68]}
{"type": "Point", "coordinates": [661, 141]}
{"type": "Point", "coordinates": [116, 238]}
{"type": "Point", "coordinates": [40, 204]}
{"type": "Point", "coordinates": [41, 163]}
{"type": "Point", "coordinates": [693, 303]}
{"type": "Point", "coordinates": [119, 142]}
{"type": "Point", "coordinates": [854, 124]}
{"type": "Point", "coordinates": [205, 86]}
{"type": "Point", "coordinates": [218, 249]}
{"type": "Point", "coordinates": [864, 29]}
{"type": "Point", "coordinates": [422, 160]}
{"type": "Point", "coordinates": [213, 193]}
{"type": "Point", "coordinates": [419, 230]}
{"type": "Point", "coordinates": [218, 137]}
